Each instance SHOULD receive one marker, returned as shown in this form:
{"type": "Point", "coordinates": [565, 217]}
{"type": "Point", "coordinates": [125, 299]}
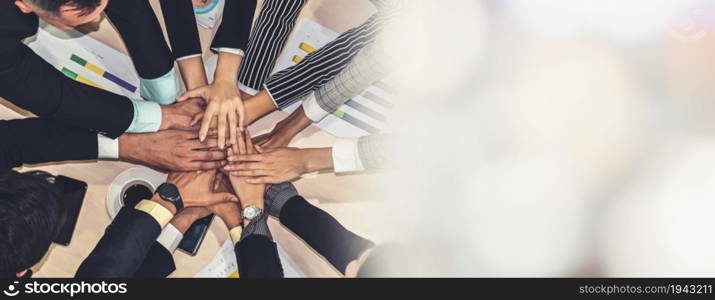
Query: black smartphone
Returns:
{"type": "Point", "coordinates": [73, 192]}
{"type": "Point", "coordinates": [195, 235]}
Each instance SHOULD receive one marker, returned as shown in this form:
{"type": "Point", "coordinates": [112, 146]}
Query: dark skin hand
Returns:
{"type": "Point", "coordinates": [196, 190]}
{"type": "Point", "coordinates": [284, 132]}
{"type": "Point", "coordinates": [183, 220]}
{"type": "Point", "coordinates": [229, 212]}
{"type": "Point", "coordinates": [177, 150]}
{"type": "Point", "coordinates": [179, 115]}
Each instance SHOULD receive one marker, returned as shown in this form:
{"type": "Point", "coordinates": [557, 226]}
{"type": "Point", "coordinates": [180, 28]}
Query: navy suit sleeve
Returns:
{"type": "Point", "coordinates": [34, 140]}
{"type": "Point", "coordinates": [159, 263]}
{"type": "Point", "coordinates": [123, 248]}
{"type": "Point", "coordinates": [33, 84]}
{"type": "Point", "coordinates": [236, 24]}
{"type": "Point", "coordinates": [257, 257]}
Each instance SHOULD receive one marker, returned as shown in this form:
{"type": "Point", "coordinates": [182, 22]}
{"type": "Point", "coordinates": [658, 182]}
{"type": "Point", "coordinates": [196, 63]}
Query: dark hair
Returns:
{"type": "Point", "coordinates": [31, 215]}
{"type": "Point", "coordinates": [85, 7]}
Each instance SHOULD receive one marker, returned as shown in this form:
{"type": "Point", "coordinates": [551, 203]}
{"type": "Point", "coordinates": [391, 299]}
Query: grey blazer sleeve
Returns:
{"type": "Point", "coordinates": [374, 151]}
{"type": "Point", "coordinates": [368, 66]}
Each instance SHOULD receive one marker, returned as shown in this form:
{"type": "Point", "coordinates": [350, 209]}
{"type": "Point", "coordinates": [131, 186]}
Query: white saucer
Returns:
{"type": "Point", "coordinates": [148, 177]}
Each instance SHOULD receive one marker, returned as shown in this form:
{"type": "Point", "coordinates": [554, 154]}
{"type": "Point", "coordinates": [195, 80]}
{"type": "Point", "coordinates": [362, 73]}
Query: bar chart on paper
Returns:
{"type": "Point", "coordinates": [365, 114]}
{"type": "Point", "coordinates": [87, 60]}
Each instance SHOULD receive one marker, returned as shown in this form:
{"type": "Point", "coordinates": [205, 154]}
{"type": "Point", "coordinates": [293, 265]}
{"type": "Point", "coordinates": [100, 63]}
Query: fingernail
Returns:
{"type": "Point", "coordinates": [234, 199]}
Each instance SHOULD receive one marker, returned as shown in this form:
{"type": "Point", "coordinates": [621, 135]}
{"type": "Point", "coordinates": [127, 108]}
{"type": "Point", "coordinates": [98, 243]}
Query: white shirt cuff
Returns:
{"type": "Point", "coordinates": [346, 157]}
{"type": "Point", "coordinates": [312, 110]}
{"type": "Point", "coordinates": [188, 57]}
{"type": "Point", "coordinates": [247, 89]}
{"type": "Point", "coordinates": [230, 50]}
{"type": "Point", "coordinates": [107, 148]}
{"type": "Point", "coordinates": [170, 238]}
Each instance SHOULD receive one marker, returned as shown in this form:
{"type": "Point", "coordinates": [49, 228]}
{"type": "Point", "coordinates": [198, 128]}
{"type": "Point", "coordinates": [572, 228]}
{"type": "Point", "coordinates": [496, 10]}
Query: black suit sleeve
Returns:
{"type": "Point", "coordinates": [34, 140]}
{"type": "Point", "coordinates": [123, 248]}
{"type": "Point", "coordinates": [140, 29]}
{"type": "Point", "coordinates": [33, 84]}
{"type": "Point", "coordinates": [257, 257]}
{"type": "Point", "coordinates": [181, 27]}
{"type": "Point", "coordinates": [159, 263]}
{"type": "Point", "coordinates": [236, 24]}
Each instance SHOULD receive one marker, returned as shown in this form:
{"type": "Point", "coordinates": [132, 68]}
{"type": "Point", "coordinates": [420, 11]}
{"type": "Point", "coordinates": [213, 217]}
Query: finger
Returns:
{"type": "Point", "coordinates": [217, 198]}
{"type": "Point", "coordinates": [208, 165]}
{"type": "Point", "coordinates": [232, 127]}
{"type": "Point", "coordinates": [262, 180]}
{"type": "Point", "coordinates": [251, 173]}
{"type": "Point", "coordinates": [241, 144]}
{"type": "Point", "coordinates": [222, 126]}
{"type": "Point", "coordinates": [241, 115]}
{"type": "Point", "coordinates": [198, 117]}
{"type": "Point", "coordinates": [249, 143]}
{"type": "Point", "coordinates": [245, 157]}
{"type": "Point", "coordinates": [249, 166]}
{"type": "Point", "coordinates": [206, 123]}
{"type": "Point", "coordinates": [198, 92]}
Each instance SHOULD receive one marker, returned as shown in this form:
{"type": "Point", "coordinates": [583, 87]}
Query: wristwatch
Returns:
{"type": "Point", "coordinates": [251, 212]}
{"type": "Point", "coordinates": [170, 193]}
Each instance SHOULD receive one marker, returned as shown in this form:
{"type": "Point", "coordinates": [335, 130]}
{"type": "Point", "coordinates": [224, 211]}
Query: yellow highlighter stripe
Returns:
{"type": "Point", "coordinates": [297, 59]}
{"type": "Point", "coordinates": [94, 69]}
{"type": "Point", "coordinates": [79, 78]}
{"type": "Point", "coordinates": [307, 48]}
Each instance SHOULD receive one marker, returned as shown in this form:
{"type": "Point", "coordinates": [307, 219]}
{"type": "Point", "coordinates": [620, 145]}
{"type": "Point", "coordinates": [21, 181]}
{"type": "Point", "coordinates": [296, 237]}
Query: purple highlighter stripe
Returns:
{"type": "Point", "coordinates": [119, 81]}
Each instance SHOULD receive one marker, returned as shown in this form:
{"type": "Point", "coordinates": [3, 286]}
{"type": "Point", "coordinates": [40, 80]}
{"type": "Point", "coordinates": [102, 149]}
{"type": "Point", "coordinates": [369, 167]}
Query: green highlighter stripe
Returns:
{"type": "Point", "coordinates": [78, 60]}
{"type": "Point", "coordinates": [69, 73]}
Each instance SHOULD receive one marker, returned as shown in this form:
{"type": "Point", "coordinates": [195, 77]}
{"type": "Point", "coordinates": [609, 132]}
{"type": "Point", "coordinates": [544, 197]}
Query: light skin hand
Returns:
{"type": "Point", "coordinates": [193, 72]}
{"type": "Point", "coordinates": [224, 100]}
{"type": "Point", "coordinates": [177, 150]}
{"type": "Point", "coordinates": [279, 165]}
{"type": "Point", "coordinates": [250, 194]}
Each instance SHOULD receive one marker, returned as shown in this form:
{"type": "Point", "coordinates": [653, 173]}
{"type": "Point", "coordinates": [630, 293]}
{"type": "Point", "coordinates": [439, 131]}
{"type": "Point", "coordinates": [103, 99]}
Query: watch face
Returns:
{"type": "Point", "coordinates": [251, 212]}
{"type": "Point", "coordinates": [168, 192]}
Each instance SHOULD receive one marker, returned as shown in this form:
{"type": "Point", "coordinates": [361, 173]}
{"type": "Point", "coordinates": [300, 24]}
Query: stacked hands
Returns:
{"type": "Point", "coordinates": [214, 192]}
{"type": "Point", "coordinates": [204, 131]}
{"type": "Point", "coordinates": [214, 161]}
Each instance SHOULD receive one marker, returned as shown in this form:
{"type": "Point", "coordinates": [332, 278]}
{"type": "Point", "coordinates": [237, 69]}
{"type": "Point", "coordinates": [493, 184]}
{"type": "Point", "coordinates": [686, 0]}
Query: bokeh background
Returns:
{"type": "Point", "coordinates": [555, 138]}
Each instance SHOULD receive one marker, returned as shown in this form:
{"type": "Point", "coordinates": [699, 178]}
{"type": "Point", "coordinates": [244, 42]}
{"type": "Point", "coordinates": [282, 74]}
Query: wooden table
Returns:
{"type": "Point", "coordinates": [349, 198]}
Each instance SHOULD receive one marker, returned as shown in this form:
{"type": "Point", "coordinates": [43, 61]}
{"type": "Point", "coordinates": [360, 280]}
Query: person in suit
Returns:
{"type": "Point", "coordinates": [62, 99]}
{"type": "Point", "coordinates": [123, 249]}
{"type": "Point", "coordinates": [38, 140]}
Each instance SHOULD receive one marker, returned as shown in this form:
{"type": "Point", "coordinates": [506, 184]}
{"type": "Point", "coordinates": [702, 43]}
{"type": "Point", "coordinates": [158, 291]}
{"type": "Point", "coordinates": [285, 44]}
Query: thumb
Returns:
{"type": "Point", "coordinates": [198, 92]}
{"type": "Point", "coordinates": [217, 198]}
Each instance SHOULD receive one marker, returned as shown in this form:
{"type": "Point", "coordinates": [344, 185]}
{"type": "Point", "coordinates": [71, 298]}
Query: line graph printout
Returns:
{"type": "Point", "coordinates": [87, 58]}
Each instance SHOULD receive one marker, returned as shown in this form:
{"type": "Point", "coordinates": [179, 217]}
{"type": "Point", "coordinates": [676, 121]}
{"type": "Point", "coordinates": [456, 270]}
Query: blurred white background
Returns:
{"type": "Point", "coordinates": [556, 138]}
